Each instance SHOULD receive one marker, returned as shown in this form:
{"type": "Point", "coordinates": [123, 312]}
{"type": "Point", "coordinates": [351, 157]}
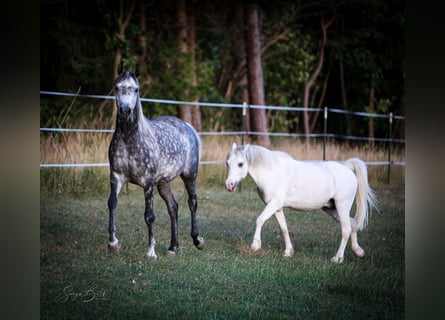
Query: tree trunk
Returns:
{"type": "Point", "coordinates": [241, 72]}
{"type": "Point", "coordinates": [142, 37]}
{"type": "Point", "coordinates": [185, 112]}
{"type": "Point", "coordinates": [186, 34]}
{"type": "Point", "coordinates": [258, 117]}
{"type": "Point", "coordinates": [196, 111]}
{"type": "Point", "coordinates": [323, 93]}
{"type": "Point", "coordinates": [123, 19]}
{"type": "Point", "coordinates": [311, 81]}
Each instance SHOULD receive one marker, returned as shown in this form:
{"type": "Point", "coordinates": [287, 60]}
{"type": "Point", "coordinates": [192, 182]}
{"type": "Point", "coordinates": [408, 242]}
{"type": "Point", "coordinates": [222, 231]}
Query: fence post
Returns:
{"type": "Point", "coordinates": [389, 147]}
{"type": "Point", "coordinates": [325, 131]}
{"type": "Point", "coordinates": [243, 122]}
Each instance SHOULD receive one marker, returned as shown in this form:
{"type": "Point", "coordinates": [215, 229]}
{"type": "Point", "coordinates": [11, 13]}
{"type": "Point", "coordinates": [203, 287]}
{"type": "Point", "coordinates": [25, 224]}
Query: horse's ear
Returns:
{"type": "Point", "coordinates": [246, 147]}
{"type": "Point", "coordinates": [120, 68]}
{"type": "Point", "coordinates": [234, 146]}
{"type": "Point", "coordinates": [136, 71]}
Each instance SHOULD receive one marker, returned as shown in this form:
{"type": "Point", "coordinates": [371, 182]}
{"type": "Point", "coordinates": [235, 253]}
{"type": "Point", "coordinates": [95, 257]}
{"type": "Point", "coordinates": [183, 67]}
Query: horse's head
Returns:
{"type": "Point", "coordinates": [237, 166]}
{"type": "Point", "coordinates": [126, 88]}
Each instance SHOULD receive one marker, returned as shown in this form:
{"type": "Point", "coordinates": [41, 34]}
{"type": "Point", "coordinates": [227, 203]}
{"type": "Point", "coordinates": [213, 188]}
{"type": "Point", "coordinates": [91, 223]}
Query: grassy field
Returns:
{"type": "Point", "coordinates": [80, 279]}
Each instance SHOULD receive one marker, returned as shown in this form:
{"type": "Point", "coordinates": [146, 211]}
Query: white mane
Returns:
{"type": "Point", "coordinates": [258, 156]}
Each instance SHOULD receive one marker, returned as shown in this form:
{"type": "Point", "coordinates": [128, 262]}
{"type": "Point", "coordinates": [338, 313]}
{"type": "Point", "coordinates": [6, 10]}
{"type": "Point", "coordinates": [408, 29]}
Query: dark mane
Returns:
{"type": "Point", "coordinates": [125, 75]}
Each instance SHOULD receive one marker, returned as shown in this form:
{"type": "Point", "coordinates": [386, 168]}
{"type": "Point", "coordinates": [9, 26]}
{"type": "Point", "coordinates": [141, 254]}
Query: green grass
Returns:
{"type": "Point", "coordinates": [80, 279]}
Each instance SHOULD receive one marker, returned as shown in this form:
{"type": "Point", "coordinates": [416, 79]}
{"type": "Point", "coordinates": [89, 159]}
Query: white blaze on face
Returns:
{"type": "Point", "coordinates": [127, 93]}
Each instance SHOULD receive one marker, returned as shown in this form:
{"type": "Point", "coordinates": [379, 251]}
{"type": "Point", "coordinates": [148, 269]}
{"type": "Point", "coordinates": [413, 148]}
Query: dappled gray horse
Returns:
{"type": "Point", "coordinates": [149, 153]}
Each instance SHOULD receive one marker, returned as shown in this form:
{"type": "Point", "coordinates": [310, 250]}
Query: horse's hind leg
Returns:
{"type": "Point", "coordinates": [354, 242]}
{"type": "Point", "coordinates": [190, 185]}
{"type": "Point", "coordinates": [289, 251]}
{"type": "Point", "coordinates": [172, 206]}
{"type": "Point", "coordinates": [331, 210]}
{"type": "Point", "coordinates": [346, 229]}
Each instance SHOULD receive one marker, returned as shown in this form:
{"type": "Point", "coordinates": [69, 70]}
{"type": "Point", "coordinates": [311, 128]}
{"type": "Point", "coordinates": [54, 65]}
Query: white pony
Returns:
{"type": "Point", "coordinates": [304, 185]}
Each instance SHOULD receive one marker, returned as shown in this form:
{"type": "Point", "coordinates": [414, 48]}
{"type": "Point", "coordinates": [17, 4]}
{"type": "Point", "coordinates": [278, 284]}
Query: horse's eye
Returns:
{"type": "Point", "coordinates": [240, 164]}
{"type": "Point", "coordinates": [136, 90]}
{"type": "Point", "coordinates": [116, 88]}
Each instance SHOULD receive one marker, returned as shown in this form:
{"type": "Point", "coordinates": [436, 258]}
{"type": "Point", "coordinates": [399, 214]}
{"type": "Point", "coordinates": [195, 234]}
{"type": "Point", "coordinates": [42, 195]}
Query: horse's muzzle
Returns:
{"type": "Point", "coordinates": [231, 185]}
{"type": "Point", "coordinates": [126, 107]}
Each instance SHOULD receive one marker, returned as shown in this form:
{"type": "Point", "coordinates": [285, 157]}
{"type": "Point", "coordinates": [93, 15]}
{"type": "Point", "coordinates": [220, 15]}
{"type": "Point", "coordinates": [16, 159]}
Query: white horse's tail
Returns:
{"type": "Point", "coordinates": [365, 198]}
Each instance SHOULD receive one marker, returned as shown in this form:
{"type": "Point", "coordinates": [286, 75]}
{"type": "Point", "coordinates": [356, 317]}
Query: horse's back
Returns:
{"type": "Point", "coordinates": [311, 184]}
{"type": "Point", "coordinates": [172, 132]}
{"type": "Point", "coordinates": [345, 179]}
{"type": "Point", "coordinates": [178, 142]}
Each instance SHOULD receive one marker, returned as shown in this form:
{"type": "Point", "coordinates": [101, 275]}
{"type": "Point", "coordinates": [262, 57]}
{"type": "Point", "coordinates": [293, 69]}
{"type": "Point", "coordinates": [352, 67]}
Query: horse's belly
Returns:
{"type": "Point", "coordinates": [307, 204]}
{"type": "Point", "coordinates": [308, 197]}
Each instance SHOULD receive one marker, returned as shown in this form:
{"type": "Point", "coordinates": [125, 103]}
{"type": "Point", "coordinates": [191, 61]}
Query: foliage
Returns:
{"type": "Point", "coordinates": [79, 39]}
{"type": "Point", "coordinates": [372, 55]}
{"type": "Point", "coordinates": [296, 57]}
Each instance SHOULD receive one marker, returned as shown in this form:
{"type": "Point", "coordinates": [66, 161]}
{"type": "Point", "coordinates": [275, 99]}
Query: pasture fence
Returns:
{"type": "Point", "coordinates": [325, 135]}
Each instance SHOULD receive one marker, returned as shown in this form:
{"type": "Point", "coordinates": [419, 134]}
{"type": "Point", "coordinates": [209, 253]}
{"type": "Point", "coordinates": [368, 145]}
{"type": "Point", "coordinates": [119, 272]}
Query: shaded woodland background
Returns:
{"type": "Point", "coordinates": [340, 54]}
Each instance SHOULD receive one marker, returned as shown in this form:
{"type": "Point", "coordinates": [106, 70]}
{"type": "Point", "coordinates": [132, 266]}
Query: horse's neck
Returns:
{"type": "Point", "coordinates": [261, 170]}
{"type": "Point", "coordinates": [257, 176]}
{"type": "Point", "coordinates": [127, 127]}
{"type": "Point", "coordinates": [138, 125]}
{"type": "Point", "coordinates": [255, 173]}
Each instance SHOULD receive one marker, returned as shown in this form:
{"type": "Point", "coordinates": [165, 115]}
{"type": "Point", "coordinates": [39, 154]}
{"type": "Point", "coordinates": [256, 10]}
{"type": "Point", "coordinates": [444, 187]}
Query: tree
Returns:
{"type": "Point", "coordinates": [181, 16]}
{"type": "Point", "coordinates": [186, 36]}
{"type": "Point", "coordinates": [324, 27]}
{"type": "Point", "coordinates": [196, 111]}
{"type": "Point", "coordinates": [123, 19]}
{"type": "Point", "coordinates": [258, 117]}
{"type": "Point", "coordinates": [208, 51]}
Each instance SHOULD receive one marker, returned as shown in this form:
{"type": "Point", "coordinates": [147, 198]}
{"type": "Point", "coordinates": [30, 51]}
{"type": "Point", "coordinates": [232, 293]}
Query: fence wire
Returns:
{"type": "Point", "coordinates": [231, 133]}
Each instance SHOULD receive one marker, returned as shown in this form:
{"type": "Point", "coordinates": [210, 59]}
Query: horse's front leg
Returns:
{"type": "Point", "coordinates": [116, 185]}
{"type": "Point", "coordinates": [289, 251]}
{"type": "Point", "coordinates": [150, 217]}
{"type": "Point", "coordinates": [272, 207]}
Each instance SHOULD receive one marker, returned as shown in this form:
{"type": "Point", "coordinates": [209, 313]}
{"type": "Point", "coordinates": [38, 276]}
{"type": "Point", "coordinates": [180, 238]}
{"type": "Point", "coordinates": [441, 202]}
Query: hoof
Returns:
{"type": "Point", "coordinates": [360, 253]}
{"type": "Point", "coordinates": [256, 245]}
{"type": "Point", "coordinates": [288, 253]}
{"type": "Point", "coordinates": [337, 259]}
{"type": "Point", "coordinates": [152, 256]}
{"type": "Point", "coordinates": [199, 242]}
{"type": "Point", "coordinates": [114, 246]}
{"type": "Point", "coordinates": [171, 253]}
